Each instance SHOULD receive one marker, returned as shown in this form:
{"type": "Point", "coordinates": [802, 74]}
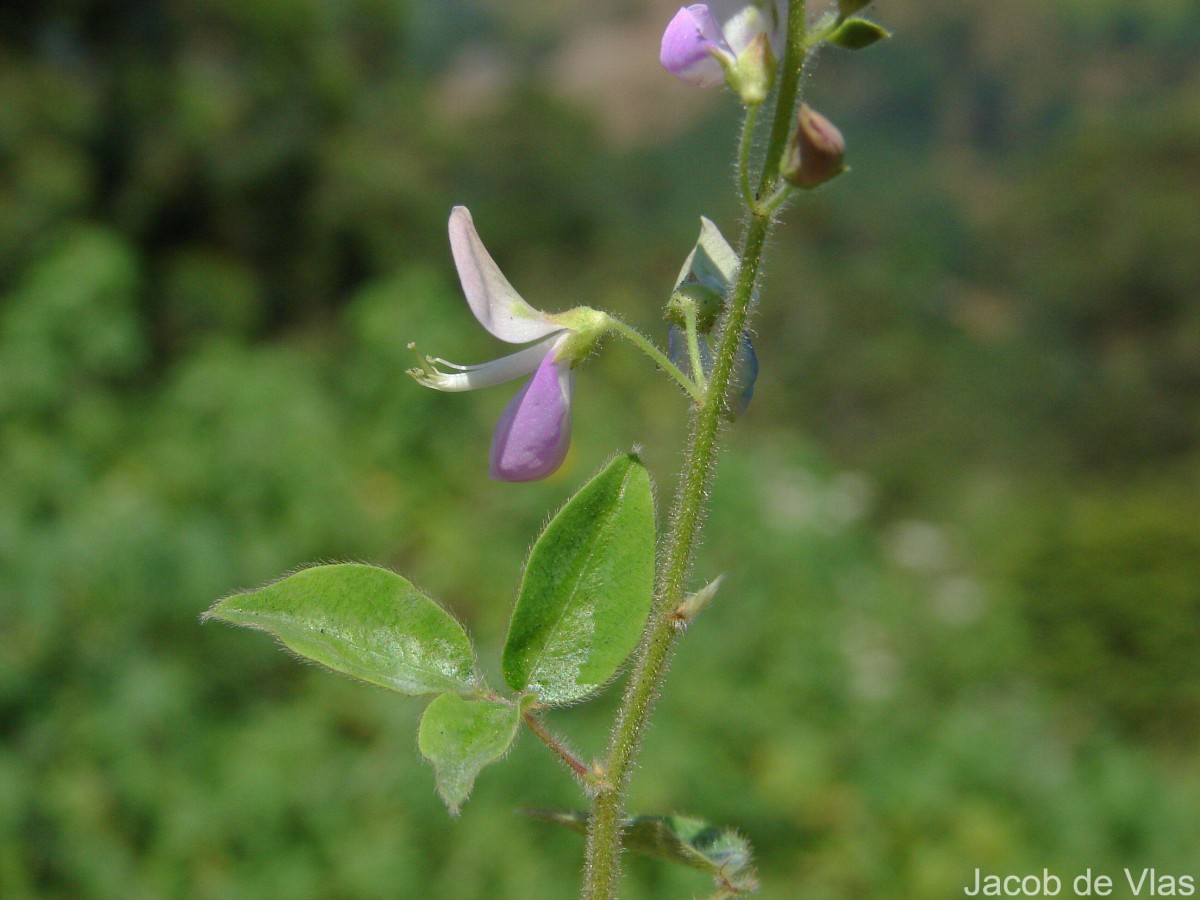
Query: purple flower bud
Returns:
{"type": "Point", "coordinates": [534, 431]}
{"type": "Point", "coordinates": [816, 151]}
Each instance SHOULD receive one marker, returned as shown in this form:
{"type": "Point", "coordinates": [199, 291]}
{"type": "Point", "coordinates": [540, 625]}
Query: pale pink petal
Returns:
{"type": "Point", "coordinates": [497, 306]}
{"type": "Point", "coordinates": [470, 378]}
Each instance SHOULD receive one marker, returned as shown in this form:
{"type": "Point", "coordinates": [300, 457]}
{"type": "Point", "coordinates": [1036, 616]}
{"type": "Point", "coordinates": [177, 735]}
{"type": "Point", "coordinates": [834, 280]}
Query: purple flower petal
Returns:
{"type": "Point", "coordinates": [534, 431]}
{"type": "Point", "coordinates": [688, 45]}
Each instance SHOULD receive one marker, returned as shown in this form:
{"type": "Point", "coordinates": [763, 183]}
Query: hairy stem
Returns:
{"type": "Point", "coordinates": [558, 748]}
{"type": "Point", "coordinates": [743, 165]}
{"type": "Point", "coordinates": [602, 870]}
{"type": "Point", "coordinates": [647, 346]}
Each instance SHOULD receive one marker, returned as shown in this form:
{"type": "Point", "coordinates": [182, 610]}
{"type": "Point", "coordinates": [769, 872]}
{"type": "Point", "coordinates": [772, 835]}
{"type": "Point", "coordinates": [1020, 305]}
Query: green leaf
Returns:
{"type": "Point", "coordinates": [855, 34]}
{"type": "Point", "coordinates": [721, 852]}
{"type": "Point", "coordinates": [460, 737]}
{"type": "Point", "coordinates": [587, 588]}
{"type": "Point", "coordinates": [362, 621]}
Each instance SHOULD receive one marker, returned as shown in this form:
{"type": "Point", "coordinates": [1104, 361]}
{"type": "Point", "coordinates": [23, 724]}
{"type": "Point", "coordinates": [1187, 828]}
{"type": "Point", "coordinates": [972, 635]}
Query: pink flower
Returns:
{"type": "Point", "coordinates": [534, 431]}
{"type": "Point", "coordinates": [704, 43]}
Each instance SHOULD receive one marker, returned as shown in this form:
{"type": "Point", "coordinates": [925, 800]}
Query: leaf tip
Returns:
{"type": "Point", "coordinates": [214, 612]}
{"type": "Point", "coordinates": [633, 457]}
{"type": "Point", "coordinates": [453, 807]}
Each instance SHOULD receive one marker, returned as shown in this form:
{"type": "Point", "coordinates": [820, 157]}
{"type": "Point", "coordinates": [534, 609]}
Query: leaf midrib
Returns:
{"type": "Point", "coordinates": [403, 663]}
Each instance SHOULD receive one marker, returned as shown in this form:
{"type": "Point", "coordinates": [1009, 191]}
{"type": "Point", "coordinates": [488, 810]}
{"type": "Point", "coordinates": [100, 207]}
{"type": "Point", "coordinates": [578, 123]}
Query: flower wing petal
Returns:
{"type": "Point", "coordinates": [497, 306]}
{"type": "Point", "coordinates": [534, 431]}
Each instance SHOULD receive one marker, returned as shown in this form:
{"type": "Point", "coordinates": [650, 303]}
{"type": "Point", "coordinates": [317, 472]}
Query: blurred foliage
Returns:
{"type": "Point", "coordinates": [959, 520]}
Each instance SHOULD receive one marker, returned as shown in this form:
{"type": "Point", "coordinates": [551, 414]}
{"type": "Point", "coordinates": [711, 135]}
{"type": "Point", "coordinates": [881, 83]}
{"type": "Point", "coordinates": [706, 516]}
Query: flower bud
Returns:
{"type": "Point", "coordinates": [816, 151]}
{"type": "Point", "coordinates": [694, 604]}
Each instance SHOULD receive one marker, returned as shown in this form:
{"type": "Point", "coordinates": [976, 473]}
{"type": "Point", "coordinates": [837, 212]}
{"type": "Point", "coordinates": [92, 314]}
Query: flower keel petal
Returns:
{"type": "Point", "coordinates": [470, 378]}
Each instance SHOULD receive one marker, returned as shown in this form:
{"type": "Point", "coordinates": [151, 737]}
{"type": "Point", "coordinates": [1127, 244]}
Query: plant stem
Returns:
{"type": "Point", "coordinates": [602, 870]}
{"type": "Point", "coordinates": [572, 762]}
{"type": "Point", "coordinates": [771, 205]}
{"type": "Point", "coordinates": [744, 145]}
{"type": "Point", "coordinates": [603, 832]}
{"type": "Point", "coordinates": [647, 346]}
{"type": "Point", "coordinates": [785, 101]}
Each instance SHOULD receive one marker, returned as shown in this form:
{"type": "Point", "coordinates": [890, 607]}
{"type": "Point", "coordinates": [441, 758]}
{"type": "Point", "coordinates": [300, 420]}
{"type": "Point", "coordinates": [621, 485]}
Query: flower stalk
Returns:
{"type": "Point", "coordinates": [602, 868]}
{"type": "Point", "coordinates": [693, 346]}
{"type": "Point", "coordinates": [635, 337]}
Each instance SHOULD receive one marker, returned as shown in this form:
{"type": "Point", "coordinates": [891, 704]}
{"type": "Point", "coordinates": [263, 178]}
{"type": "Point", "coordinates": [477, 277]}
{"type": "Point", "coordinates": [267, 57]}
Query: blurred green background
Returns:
{"type": "Point", "coordinates": [959, 522]}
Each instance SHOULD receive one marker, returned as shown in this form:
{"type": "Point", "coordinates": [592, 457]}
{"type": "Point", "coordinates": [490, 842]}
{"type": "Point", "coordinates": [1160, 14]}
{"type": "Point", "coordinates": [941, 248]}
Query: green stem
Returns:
{"type": "Point", "coordinates": [771, 205]}
{"type": "Point", "coordinates": [744, 144]}
{"type": "Point", "coordinates": [603, 834]}
{"type": "Point", "coordinates": [785, 100]}
{"type": "Point", "coordinates": [602, 870]}
{"type": "Point", "coordinates": [644, 344]}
